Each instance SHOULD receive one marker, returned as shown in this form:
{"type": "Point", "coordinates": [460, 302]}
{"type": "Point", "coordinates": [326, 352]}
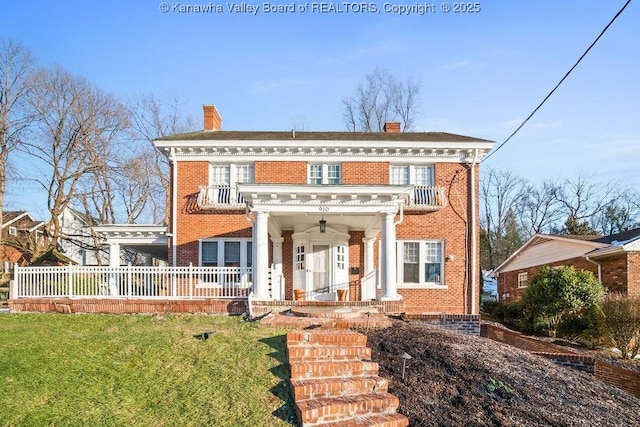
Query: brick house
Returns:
{"type": "Point", "coordinates": [386, 216]}
{"type": "Point", "coordinates": [614, 260]}
{"type": "Point", "coordinates": [19, 234]}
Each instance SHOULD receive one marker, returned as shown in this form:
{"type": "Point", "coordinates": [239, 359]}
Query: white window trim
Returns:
{"type": "Point", "coordinates": [324, 172]}
{"type": "Point", "coordinates": [421, 263]}
{"type": "Point", "coordinates": [413, 173]}
{"type": "Point", "coordinates": [524, 275]}
{"type": "Point", "coordinates": [13, 231]}
{"type": "Point", "coordinates": [244, 242]}
{"type": "Point", "coordinates": [233, 172]}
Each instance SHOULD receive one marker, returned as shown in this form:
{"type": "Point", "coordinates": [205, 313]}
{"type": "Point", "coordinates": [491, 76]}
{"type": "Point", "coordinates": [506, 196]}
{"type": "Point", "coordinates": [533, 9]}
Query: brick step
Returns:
{"type": "Point", "coordinates": [309, 370]}
{"type": "Point", "coordinates": [312, 353]}
{"type": "Point", "coordinates": [334, 387]}
{"type": "Point", "coordinates": [327, 337]}
{"type": "Point", "coordinates": [334, 409]}
{"type": "Point", "coordinates": [390, 420]}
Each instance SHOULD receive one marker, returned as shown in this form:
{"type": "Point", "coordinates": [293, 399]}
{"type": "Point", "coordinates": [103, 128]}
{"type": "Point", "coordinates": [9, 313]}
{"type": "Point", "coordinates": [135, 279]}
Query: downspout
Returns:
{"type": "Point", "coordinates": [599, 267]}
{"type": "Point", "coordinates": [174, 206]}
{"type": "Point", "coordinates": [472, 225]}
{"type": "Point", "coordinates": [399, 221]}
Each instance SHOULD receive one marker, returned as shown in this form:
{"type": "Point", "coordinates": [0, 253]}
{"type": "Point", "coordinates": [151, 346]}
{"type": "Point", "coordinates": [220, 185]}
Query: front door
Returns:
{"type": "Point", "coordinates": [321, 267]}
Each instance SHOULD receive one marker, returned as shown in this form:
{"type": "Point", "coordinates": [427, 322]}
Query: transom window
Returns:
{"type": "Point", "coordinates": [421, 262]}
{"type": "Point", "coordinates": [324, 174]}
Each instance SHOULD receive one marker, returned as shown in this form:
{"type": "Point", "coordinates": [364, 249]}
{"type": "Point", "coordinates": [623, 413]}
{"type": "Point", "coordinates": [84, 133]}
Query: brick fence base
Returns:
{"type": "Point", "coordinates": [127, 306]}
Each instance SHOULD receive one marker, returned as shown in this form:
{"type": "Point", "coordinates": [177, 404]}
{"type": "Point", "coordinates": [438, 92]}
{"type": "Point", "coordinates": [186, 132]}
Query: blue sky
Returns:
{"type": "Point", "coordinates": [481, 73]}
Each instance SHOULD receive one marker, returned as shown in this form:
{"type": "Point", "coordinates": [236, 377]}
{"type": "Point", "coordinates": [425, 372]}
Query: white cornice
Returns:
{"type": "Point", "coordinates": [291, 150]}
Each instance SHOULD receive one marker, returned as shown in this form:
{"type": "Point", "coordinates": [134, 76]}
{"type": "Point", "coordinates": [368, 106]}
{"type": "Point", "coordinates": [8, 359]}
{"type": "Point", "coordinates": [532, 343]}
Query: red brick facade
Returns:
{"type": "Point", "coordinates": [447, 224]}
{"type": "Point", "coordinates": [620, 273]}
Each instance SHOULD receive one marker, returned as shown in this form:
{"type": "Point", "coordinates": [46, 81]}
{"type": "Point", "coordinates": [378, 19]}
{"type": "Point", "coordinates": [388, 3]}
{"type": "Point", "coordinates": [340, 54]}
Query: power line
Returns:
{"type": "Point", "coordinates": [560, 82]}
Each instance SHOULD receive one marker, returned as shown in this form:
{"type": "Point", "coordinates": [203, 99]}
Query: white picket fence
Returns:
{"type": "Point", "coordinates": [132, 282]}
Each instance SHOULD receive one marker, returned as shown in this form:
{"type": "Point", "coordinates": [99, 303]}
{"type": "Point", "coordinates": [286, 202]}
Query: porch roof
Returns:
{"type": "Point", "coordinates": [324, 198]}
{"type": "Point", "coordinates": [147, 239]}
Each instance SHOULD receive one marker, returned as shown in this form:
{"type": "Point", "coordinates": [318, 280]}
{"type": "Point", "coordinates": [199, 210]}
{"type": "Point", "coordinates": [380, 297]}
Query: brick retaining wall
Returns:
{"type": "Point", "coordinates": [617, 376]}
{"type": "Point", "coordinates": [127, 306]}
{"type": "Point", "coordinates": [467, 324]}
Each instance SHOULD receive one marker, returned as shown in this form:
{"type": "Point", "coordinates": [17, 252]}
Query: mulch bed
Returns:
{"type": "Point", "coordinates": [457, 380]}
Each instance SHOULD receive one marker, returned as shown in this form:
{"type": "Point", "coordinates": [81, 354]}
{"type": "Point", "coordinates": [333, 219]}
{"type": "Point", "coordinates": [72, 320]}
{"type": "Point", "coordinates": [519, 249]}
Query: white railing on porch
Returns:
{"type": "Point", "coordinates": [219, 196]}
{"type": "Point", "coordinates": [427, 197]}
{"type": "Point", "coordinates": [132, 282]}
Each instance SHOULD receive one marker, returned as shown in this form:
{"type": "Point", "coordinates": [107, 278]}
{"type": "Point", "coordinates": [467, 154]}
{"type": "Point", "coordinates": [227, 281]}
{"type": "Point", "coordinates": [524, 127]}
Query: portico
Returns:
{"type": "Point", "coordinates": [321, 220]}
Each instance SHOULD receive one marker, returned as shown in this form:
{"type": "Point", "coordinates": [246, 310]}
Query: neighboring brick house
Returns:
{"type": "Point", "coordinates": [19, 233]}
{"type": "Point", "coordinates": [385, 215]}
{"type": "Point", "coordinates": [614, 260]}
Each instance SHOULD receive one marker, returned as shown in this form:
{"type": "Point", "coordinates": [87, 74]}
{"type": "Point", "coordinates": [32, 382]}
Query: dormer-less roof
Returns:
{"type": "Point", "coordinates": [544, 249]}
{"type": "Point", "coordinates": [325, 146]}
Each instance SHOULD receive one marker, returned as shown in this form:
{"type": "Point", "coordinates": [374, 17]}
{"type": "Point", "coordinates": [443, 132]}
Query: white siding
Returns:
{"type": "Point", "coordinates": [548, 252]}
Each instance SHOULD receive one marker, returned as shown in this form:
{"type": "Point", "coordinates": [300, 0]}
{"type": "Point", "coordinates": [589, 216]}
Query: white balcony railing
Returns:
{"type": "Point", "coordinates": [219, 196]}
{"type": "Point", "coordinates": [427, 197]}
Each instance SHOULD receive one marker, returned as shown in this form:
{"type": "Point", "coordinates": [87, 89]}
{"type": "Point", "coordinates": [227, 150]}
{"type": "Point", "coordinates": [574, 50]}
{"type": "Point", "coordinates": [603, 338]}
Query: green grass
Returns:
{"type": "Point", "coordinates": [110, 370]}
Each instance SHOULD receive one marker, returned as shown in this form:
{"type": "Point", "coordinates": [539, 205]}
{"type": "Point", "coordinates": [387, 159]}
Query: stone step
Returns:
{"type": "Point", "coordinates": [309, 370]}
{"type": "Point", "coordinates": [389, 420]}
{"type": "Point", "coordinates": [335, 387]}
{"type": "Point", "coordinates": [312, 353]}
{"type": "Point", "coordinates": [336, 409]}
{"type": "Point", "coordinates": [327, 337]}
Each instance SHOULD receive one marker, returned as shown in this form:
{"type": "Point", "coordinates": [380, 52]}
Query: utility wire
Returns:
{"type": "Point", "coordinates": [560, 82]}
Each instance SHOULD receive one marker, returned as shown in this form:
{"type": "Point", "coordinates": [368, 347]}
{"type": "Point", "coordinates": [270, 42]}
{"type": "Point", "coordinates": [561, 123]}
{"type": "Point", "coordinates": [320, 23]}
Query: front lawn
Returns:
{"type": "Point", "coordinates": [119, 370]}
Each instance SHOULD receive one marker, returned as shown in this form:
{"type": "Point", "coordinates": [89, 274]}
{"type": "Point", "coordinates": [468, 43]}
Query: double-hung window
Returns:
{"type": "Point", "coordinates": [419, 176]}
{"type": "Point", "coordinates": [223, 180]}
{"type": "Point", "coordinates": [325, 174]}
{"type": "Point", "coordinates": [523, 280]}
{"type": "Point", "coordinates": [225, 253]}
{"type": "Point", "coordinates": [421, 262]}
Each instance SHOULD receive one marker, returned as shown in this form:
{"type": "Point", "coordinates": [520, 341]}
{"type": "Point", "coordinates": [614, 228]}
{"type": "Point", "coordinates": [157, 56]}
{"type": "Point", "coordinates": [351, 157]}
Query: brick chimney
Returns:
{"type": "Point", "coordinates": [392, 127]}
{"type": "Point", "coordinates": [212, 120]}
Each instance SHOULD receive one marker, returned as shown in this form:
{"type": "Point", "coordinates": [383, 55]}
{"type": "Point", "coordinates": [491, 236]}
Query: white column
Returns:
{"type": "Point", "coordinates": [277, 253]}
{"type": "Point", "coordinates": [261, 264]}
{"type": "Point", "coordinates": [114, 261]}
{"type": "Point", "coordinates": [368, 254]}
{"type": "Point", "coordinates": [388, 267]}
{"type": "Point", "coordinates": [114, 255]}
{"type": "Point", "coordinates": [276, 279]}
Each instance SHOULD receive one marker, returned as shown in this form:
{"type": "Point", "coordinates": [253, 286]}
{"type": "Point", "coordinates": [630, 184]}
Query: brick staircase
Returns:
{"type": "Point", "coordinates": [334, 382]}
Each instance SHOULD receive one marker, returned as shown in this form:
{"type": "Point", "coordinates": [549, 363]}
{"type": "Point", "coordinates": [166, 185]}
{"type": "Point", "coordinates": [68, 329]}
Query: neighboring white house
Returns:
{"type": "Point", "coordinates": [79, 242]}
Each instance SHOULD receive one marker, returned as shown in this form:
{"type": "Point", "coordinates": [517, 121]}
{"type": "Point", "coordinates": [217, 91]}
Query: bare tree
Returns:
{"type": "Point", "coordinates": [582, 199]}
{"type": "Point", "coordinates": [620, 213]}
{"type": "Point", "coordinates": [16, 64]}
{"type": "Point", "coordinates": [501, 191]}
{"type": "Point", "coordinates": [538, 207]}
{"type": "Point", "coordinates": [153, 118]}
{"type": "Point", "coordinates": [383, 98]}
{"type": "Point", "coordinates": [76, 124]}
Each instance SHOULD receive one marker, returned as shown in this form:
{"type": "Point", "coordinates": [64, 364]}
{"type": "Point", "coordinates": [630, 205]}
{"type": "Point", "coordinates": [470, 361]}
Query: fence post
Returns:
{"type": "Point", "coordinates": [190, 280]}
{"type": "Point", "coordinates": [129, 280]}
{"type": "Point", "coordinates": [70, 280]}
{"type": "Point", "coordinates": [15, 284]}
